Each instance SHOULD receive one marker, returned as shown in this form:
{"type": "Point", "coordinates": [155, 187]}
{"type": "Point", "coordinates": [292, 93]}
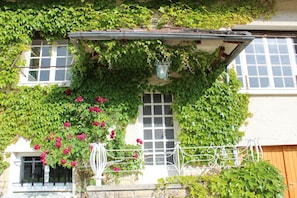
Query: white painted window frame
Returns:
{"type": "Point", "coordinates": [271, 89]}
{"type": "Point", "coordinates": [53, 66]}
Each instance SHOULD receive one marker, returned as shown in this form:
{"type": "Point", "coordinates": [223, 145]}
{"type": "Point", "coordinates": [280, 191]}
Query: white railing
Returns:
{"type": "Point", "coordinates": [181, 160]}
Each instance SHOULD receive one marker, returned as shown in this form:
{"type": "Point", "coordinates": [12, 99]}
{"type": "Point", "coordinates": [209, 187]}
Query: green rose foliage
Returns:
{"type": "Point", "coordinates": [86, 122]}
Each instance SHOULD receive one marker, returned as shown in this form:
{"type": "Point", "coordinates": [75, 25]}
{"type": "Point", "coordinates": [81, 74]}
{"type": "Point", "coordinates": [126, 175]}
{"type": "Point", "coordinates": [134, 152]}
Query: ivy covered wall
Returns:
{"type": "Point", "coordinates": [209, 110]}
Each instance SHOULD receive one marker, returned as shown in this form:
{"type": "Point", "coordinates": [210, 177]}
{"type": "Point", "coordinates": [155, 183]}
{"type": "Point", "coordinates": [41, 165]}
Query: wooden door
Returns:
{"type": "Point", "coordinates": [285, 159]}
{"type": "Point", "coordinates": [290, 156]}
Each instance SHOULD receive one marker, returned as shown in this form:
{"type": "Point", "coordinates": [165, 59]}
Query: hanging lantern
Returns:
{"type": "Point", "coordinates": [162, 69]}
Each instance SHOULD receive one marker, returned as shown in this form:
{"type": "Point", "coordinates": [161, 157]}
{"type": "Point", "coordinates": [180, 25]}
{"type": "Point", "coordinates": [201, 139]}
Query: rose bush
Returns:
{"type": "Point", "coordinates": [85, 123]}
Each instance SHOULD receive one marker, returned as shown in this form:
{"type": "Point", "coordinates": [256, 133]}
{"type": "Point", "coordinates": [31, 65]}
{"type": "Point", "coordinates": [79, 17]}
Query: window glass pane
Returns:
{"type": "Point", "coordinates": [60, 174]}
{"type": "Point", "coordinates": [253, 82]}
{"type": "Point", "coordinates": [252, 70]}
{"type": "Point", "coordinates": [159, 134]}
{"type": "Point", "coordinates": [167, 98]}
{"type": "Point", "coordinates": [278, 82]}
{"type": "Point", "coordinates": [274, 59]}
{"type": "Point", "coordinates": [272, 49]}
{"type": "Point", "coordinates": [238, 70]}
{"type": "Point", "coordinates": [149, 159]}
{"type": "Point", "coordinates": [261, 59]}
{"type": "Point", "coordinates": [168, 110]}
{"type": "Point", "coordinates": [45, 62]}
{"type": "Point", "coordinates": [158, 122]}
{"type": "Point", "coordinates": [249, 49]}
{"type": "Point", "coordinates": [276, 71]}
{"type": "Point", "coordinates": [147, 122]}
{"type": "Point", "coordinates": [157, 98]}
{"type": "Point", "coordinates": [271, 41]}
{"type": "Point", "coordinates": [35, 51]}
{"type": "Point", "coordinates": [157, 109]}
{"type": "Point", "coordinates": [168, 122]}
{"type": "Point", "coordinates": [169, 144]}
{"type": "Point", "coordinates": [259, 48]}
{"type": "Point", "coordinates": [69, 60]}
{"type": "Point", "coordinates": [147, 110]}
{"type": "Point", "coordinates": [61, 62]}
{"type": "Point", "coordinates": [147, 98]}
{"type": "Point", "coordinates": [61, 51]}
{"type": "Point", "coordinates": [34, 63]}
{"type": "Point", "coordinates": [44, 75]}
{"type": "Point", "coordinates": [250, 59]}
{"type": "Point", "coordinates": [147, 134]}
{"type": "Point", "coordinates": [32, 75]}
{"type": "Point", "coordinates": [264, 82]}
{"type": "Point", "coordinates": [60, 75]}
{"type": "Point", "coordinates": [160, 160]}
{"type": "Point", "coordinates": [289, 82]}
{"type": "Point", "coordinates": [159, 146]}
{"type": "Point", "coordinates": [287, 71]}
{"type": "Point", "coordinates": [169, 133]}
{"type": "Point", "coordinates": [263, 71]}
{"type": "Point", "coordinates": [283, 49]}
{"type": "Point", "coordinates": [68, 75]}
{"type": "Point", "coordinates": [46, 51]}
{"type": "Point", "coordinates": [148, 145]}
{"type": "Point", "coordinates": [285, 59]}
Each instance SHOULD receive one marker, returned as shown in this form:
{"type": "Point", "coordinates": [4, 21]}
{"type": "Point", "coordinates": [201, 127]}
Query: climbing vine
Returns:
{"type": "Point", "coordinates": [209, 110]}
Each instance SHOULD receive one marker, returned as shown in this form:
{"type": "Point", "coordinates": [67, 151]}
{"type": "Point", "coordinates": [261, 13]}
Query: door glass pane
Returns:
{"type": "Point", "coordinates": [157, 98]}
{"type": "Point", "coordinates": [147, 134]}
{"type": "Point", "coordinates": [147, 110]}
{"type": "Point", "coordinates": [158, 122]}
{"type": "Point", "coordinates": [159, 134]}
{"type": "Point", "coordinates": [157, 110]}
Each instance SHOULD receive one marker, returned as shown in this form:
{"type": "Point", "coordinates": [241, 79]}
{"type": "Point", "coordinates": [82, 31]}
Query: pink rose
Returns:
{"type": "Point", "coordinates": [82, 136]}
{"type": "Point", "coordinates": [97, 109]}
{"type": "Point", "coordinates": [73, 163]}
{"type": "Point", "coordinates": [67, 124]}
{"type": "Point", "coordinates": [112, 134]}
{"type": "Point", "coordinates": [43, 155]}
{"type": "Point", "coordinates": [58, 144]}
{"type": "Point", "coordinates": [139, 141]}
{"type": "Point", "coordinates": [116, 169]}
{"type": "Point", "coordinates": [102, 124]}
{"type": "Point", "coordinates": [58, 139]}
{"type": "Point", "coordinates": [100, 99]}
{"type": "Point", "coordinates": [37, 147]}
{"type": "Point", "coordinates": [96, 123]}
{"type": "Point", "coordinates": [68, 92]}
{"type": "Point", "coordinates": [63, 161]}
{"type": "Point", "coordinates": [79, 99]}
{"type": "Point", "coordinates": [135, 155]}
{"type": "Point", "coordinates": [66, 151]}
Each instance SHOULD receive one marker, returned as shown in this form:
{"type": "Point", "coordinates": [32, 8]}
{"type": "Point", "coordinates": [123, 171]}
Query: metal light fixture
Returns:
{"type": "Point", "coordinates": [162, 69]}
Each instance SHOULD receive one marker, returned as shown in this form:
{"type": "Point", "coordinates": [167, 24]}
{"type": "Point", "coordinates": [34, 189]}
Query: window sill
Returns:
{"type": "Point", "coordinates": [61, 84]}
{"type": "Point", "coordinates": [39, 187]}
{"type": "Point", "coordinates": [283, 92]}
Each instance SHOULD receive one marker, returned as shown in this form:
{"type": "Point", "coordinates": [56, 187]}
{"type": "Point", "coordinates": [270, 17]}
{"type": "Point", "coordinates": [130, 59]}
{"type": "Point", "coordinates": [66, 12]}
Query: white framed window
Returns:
{"type": "Point", "coordinates": [158, 129]}
{"type": "Point", "coordinates": [268, 63]}
{"type": "Point", "coordinates": [47, 63]}
{"type": "Point", "coordinates": [34, 172]}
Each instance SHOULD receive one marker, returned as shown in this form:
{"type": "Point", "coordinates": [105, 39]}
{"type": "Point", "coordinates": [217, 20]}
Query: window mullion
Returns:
{"type": "Point", "coordinates": [53, 62]}
{"type": "Point", "coordinates": [293, 61]}
{"type": "Point", "coordinates": [268, 63]}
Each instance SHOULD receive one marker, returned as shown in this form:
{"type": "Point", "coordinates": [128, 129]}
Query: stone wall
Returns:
{"type": "Point", "coordinates": [137, 191]}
